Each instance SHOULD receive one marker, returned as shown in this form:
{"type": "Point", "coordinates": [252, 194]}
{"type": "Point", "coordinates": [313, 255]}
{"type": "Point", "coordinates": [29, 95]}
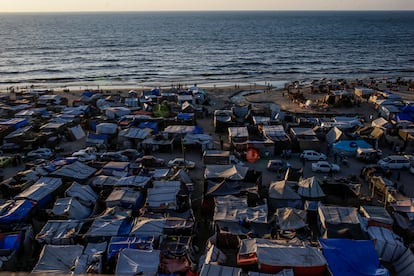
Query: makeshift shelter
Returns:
{"type": "Point", "coordinates": [70, 208]}
{"type": "Point", "coordinates": [404, 266]}
{"type": "Point", "coordinates": [163, 195]}
{"type": "Point", "coordinates": [108, 227]}
{"type": "Point", "coordinates": [77, 132]}
{"type": "Point", "coordinates": [231, 208]}
{"type": "Point", "coordinates": [333, 135]}
{"type": "Point", "coordinates": [389, 246]}
{"type": "Point", "coordinates": [126, 198]}
{"type": "Point", "coordinates": [214, 269]}
{"type": "Point", "coordinates": [349, 147]}
{"type": "Point", "coordinates": [310, 189]}
{"type": "Point", "coordinates": [339, 222]}
{"type": "Point", "coordinates": [376, 216]}
{"type": "Point", "coordinates": [282, 195]}
{"type": "Point", "coordinates": [91, 261]}
{"type": "Point", "coordinates": [57, 259]}
{"type": "Point", "coordinates": [290, 218]}
{"type": "Point", "coordinates": [59, 232]}
{"type": "Point", "coordinates": [76, 171]}
{"type": "Point", "coordinates": [83, 193]}
{"type": "Point", "coordinates": [16, 210]}
{"type": "Point", "coordinates": [352, 257]}
{"type": "Point", "coordinates": [271, 257]}
{"type": "Point", "coordinates": [42, 191]}
{"type": "Point", "coordinates": [230, 172]}
{"type": "Point", "coordinates": [136, 181]}
{"type": "Point", "coordinates": [135, 262]}
{"type": "Point", "coordinates": [116, 244]}
{"type": "Point", "coordinates": [238, 134]}
{"type": "Point", "coordinates": [306, 138]}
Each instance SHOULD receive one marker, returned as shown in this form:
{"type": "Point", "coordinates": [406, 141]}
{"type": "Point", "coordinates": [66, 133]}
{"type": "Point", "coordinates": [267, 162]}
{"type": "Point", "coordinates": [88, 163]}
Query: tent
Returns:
{"type": "Point", "coordinates": [42, 191]}
{"type": "Point", "coordinates": [83, 193]}
{"type": "Point", "coordinates": [352, 257]}
{"type": "Point", "coordinates": [231, 172]}
{"type": "Point", "coordinates": [272, 257]}
{"type": "Point", "coordinates": [77, 132]}
{"type": "Point", "coordinates": [290, 218]}
{"type": "Point", "coordinates": [339, 222]}
{"type": "Point", "coordinates": [282, 195]}
{"type": "Point", "coordinates": [231, 208]}
{"type": "Point", "coordinates": [137, 262]}
{"type": "Point", "coordinates": [57, 259]}
{"type": "Point", "coordinates": [126, 198]}
{"type": "Point", "coordinates": [333, 135]}
{"type": "Point", "coordinates": [15, 210]}
{"type": "Point", "coordinates": [214, 269]}
{"type": "Point", "coordinates": [108, 227]}
{"type": "Point", "coordinates": [76, 171]}
{"type": "Point", "coordinates": [59, 232]}
{"type": "Point", "coordinates": [90, 262]}
{"type": "Point", "coordinates": [116, 244]}
{"type": "Point", "coordinates": [309, 188]}
{"type": "Point", "coordinates": [389, 246]}
{"type": "Point", "coordinates": [70, 208]}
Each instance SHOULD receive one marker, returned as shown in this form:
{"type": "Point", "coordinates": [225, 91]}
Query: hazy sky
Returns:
{"type": "Point", "coordinates": [154, 5]}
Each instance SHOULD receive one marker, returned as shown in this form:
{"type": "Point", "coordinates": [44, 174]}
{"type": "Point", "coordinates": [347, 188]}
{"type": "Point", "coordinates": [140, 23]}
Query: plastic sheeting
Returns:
{"type": "Point", "coordinates": [135, 262]}
{"type": "Point", "coordinates": [70, 208]}
{"type": "Point", "coordinates": [57, 259]}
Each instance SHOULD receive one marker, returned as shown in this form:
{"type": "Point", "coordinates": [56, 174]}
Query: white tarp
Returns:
{"type": "Point", "coordinates": [57, 259]}
{"type": "Point", "coordinates": [333, 135]}
{"type": "Point", "coordinates": [404, 266]}
{"type": "Point", "coordinates": [213, 269]}
{"type": "Point", "coordinates": [137, 262]}
{"type": "Point", "coordinates": [134, 181]}
{"type": "Point", "coordinates": [231, 172]}
{"type": "Point", "coordinates": [163, 194]}
{"type": "Point", "coordinates": [135, 133]}
{"type": "Point", "coordinates": [148, 227]}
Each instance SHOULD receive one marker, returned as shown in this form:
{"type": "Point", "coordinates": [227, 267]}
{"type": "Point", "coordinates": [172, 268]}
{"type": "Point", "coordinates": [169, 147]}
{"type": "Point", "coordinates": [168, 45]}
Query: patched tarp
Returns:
{"type": "Point", "coordinates": [83, 193]}
{"type": "Point", "coordinates": [15, 210]}
{"type": "Point", "coordinates": [41, 192]}
{"type": "Point", "coordinates": [231, 208]}
{"type": "Point", "coordinates": [352, 257]}
{"type": "Point", "coordinates": [57, 259]}
{"type": "Point", "coordinates": [231, 172]}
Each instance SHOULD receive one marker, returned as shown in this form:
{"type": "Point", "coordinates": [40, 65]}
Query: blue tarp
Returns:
{"type": "Point", "coordinates": [151, 125]}
{"type": "Point", "coordinates": [352, 257]}
{"type": "Point", "coordinates": [350, 146]}
{"type": "Point", "coordinates": [118, 243]}
{"type": "Point", "coordinates": [94, 139]}
{"type": "Point", "coordinates": [16, 123]}
{"type": "Point", "coordinates": [198, 130]}
{"type": "Point", "coordinates": [10, 241]}
{"type": "Point", "coordinates": [185, 116]}
{"type": "Point", "coordinates": [87, 93]}
{"type": "Point", "coordinates": [15, 210]}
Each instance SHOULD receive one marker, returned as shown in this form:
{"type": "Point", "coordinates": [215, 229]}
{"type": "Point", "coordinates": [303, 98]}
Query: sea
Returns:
{"type": "Point", "coordinates": [216, 48]}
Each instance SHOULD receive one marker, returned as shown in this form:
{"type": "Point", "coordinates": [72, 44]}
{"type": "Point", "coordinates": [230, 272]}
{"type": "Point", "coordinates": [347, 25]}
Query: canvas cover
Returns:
{"type": "Point", "coordinates": [231, 172]}
{"type": "Point", "coordinates": [148, 227]}
{"type": "Point", "coordinates": [57, 259]}
{"type": "Point", "coordinates": [137, 262]}
{"type": "Point", "coordinates": [352, 257]}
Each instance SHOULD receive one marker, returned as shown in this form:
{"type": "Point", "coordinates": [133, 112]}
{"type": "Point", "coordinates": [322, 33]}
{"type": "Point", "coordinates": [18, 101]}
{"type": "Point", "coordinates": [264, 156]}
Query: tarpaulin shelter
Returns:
{"type": "Point", "coordinates": [42, 191]}
{"type": "Point", "coordinates": [59, 232]}
{"type": "Point", "coordinates": [136, 262]}
{"type": "Point", "coordinates": [281, 194]}
{"type": "Point", "coordinates": [15, 210]}
{"type": "Point", "coordinates": [290, 218]}
{"type": "Point", "coordinates": [352, 257]}
{"type": "Point", "coordinates": [57, 259]}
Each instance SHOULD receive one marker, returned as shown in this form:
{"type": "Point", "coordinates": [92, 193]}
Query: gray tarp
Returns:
{"type": "Point", "coordinates": [231, 208]}
{"type": "Point", "coordinates": [213, 269]}
{"type": "Point", "coordinates": [137, 262]}
{"type": "Point", "coordinates": [57, 259]}
{"type": "Point", "coordinates": [44, 187]}
{"type": "Point", "coordinates": [77, 132]}
{"type": "Point", "coordinates": [333, 135]}
{"type": "Point", "coordinates": [389, 246]}
{"type": "Point", "coordinates": [83, 193]}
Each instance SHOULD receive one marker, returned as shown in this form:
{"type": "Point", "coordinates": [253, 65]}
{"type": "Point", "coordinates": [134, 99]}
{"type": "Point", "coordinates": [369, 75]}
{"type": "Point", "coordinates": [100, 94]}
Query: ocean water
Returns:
{"type": "Point", "coordinates": [161, 48]}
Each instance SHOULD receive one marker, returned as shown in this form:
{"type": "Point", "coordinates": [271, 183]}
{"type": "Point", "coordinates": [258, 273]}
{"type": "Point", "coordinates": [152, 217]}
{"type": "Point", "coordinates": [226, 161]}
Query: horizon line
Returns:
{"type": "Point", "coordinates": [162, 11]}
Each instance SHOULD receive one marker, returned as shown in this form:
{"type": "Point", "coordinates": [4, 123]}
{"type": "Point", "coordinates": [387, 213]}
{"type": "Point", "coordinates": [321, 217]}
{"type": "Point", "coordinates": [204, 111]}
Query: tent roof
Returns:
{"type": "Point", "coordinates": [281, 190]}
{"type": "Point", "coordinates": [310, 188]}
{"type": "Point", "coordinates": [231, 172]}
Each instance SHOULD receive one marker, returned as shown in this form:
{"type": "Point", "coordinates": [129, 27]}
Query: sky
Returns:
{"type": "Point", "coordinates": [187, 5]}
